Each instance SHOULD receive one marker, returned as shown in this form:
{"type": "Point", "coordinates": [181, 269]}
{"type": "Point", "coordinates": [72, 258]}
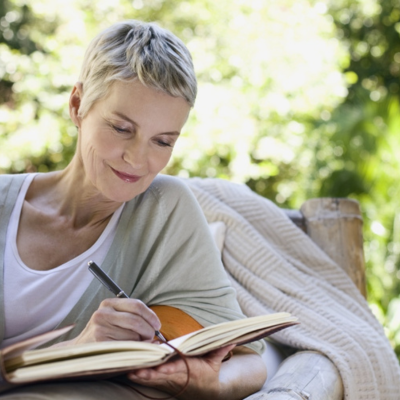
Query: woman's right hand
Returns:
{"type": "Point", "coordinates": [119, 319]}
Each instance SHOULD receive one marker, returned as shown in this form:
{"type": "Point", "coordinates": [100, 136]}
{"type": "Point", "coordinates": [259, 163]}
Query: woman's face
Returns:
{"type": "Point", "coordinates": [127, 138]}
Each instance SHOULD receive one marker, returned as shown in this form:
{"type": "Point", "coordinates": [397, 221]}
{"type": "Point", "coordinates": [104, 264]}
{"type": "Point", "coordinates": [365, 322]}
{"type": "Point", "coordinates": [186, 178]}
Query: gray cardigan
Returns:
{"type": "Point", "coordinates": [162, 253]}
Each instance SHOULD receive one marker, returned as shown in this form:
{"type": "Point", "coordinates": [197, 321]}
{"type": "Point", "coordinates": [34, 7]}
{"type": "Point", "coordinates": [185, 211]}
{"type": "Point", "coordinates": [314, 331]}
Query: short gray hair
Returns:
{"type": "Point", "coordinates": [134, 49]}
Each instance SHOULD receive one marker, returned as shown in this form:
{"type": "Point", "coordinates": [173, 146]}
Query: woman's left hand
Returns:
{"type": "Point", "coordinates": [210, 378]}
{"type": "Point", "coordinates": [204, 382]}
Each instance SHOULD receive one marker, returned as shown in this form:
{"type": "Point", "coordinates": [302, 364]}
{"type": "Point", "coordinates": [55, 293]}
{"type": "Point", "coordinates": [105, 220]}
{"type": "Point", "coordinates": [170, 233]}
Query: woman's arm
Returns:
{"type": "Point", "coordinates": [210, 378]}
{"type": "Point", "coordinates": [245, 375]}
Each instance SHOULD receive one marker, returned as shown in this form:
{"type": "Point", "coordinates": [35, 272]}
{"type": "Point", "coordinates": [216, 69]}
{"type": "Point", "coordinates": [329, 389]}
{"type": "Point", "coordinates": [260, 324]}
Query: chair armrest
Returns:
{"type": "Point", "coordinates": [305, 375]}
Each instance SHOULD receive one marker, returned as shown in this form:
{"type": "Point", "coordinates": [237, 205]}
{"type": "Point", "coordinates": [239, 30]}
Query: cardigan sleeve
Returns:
{"type": "Point", "coordinates": [177, 261]}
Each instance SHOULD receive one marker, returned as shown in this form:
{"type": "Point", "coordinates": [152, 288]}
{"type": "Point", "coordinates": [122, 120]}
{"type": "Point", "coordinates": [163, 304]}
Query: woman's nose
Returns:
{"type": "Point", "coordinates": [135, 154]}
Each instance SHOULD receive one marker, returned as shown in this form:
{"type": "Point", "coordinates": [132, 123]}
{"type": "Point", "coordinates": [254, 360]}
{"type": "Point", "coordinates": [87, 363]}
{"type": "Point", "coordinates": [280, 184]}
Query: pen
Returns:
{"type": "Point", "coordinates": [113, 287]}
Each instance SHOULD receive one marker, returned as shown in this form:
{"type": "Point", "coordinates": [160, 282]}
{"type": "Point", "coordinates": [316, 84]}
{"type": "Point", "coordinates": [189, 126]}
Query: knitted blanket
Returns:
{"type": "Point", "coordinates": [274, 266]}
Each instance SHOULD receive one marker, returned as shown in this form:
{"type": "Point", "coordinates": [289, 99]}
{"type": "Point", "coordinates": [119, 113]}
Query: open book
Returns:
{"type": "Point", "coordinates": [20, 365]}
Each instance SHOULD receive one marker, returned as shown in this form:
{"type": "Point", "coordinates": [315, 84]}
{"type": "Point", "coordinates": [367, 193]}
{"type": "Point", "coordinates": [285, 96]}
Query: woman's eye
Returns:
{"type": "Point", "coordinates": [163, 143]}
{"type": "Point", "coordinates": [119, 130]}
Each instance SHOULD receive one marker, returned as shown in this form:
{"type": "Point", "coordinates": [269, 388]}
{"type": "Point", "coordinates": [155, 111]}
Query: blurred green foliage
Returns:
{"type": "Point", "coordinates": [366, 127]}
{"type": "Point", "coordinates": [293, 107]}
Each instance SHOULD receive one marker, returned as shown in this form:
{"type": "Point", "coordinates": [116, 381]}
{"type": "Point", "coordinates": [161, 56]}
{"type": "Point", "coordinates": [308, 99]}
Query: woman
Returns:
{"type": "Point", "coordinates": [134, 94]}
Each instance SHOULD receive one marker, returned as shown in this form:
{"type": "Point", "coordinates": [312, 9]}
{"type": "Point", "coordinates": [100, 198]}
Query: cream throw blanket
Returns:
{"type": "Point", "coordinates": [274, 267]}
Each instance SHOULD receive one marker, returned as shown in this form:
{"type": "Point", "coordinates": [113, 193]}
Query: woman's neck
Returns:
{"type": "Point", "coordinates": [68, 193]}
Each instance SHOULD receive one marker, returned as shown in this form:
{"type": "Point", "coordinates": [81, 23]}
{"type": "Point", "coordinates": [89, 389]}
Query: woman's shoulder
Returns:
{"type": "Point", "coordinates": [8, 181]}
{"type": "Point", "coordinates": [170, 188]}
{"type": "Point", "coordinates": [7, 178]}
{"type": "Point", "coordinates": [168, 194]}
{"type": "Point", "coordinates": [167, 199]}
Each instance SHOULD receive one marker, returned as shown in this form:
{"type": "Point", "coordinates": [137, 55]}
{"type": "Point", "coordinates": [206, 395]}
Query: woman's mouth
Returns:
{"type": "Point", "coordinates": [126, 177]}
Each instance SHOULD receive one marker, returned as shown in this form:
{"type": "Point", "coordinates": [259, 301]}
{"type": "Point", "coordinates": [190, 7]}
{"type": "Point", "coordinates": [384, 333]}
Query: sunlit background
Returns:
{"type": "Point", "coordinates": [297, 99]}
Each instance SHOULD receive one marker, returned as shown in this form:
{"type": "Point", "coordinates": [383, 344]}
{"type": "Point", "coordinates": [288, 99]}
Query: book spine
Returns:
{"type": "Point", "coordinates": [5, 384]}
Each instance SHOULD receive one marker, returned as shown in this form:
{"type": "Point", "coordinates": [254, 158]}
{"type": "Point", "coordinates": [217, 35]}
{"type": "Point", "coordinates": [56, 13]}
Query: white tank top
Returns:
{"type": "Point", "coordinates": [37, 301]}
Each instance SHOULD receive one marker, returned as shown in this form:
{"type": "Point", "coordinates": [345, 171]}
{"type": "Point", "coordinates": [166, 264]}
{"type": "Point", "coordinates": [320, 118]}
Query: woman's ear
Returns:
{"type": "Point", "coordinates": [75, 103]}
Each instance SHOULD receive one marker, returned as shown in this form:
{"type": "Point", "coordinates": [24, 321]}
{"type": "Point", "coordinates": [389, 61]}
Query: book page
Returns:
{"type": "Point", "coordinates": [83, 350]}
{"type": "Point", "coordinates": [125, 360]}
{"type": "Point", "coordinates": [18, 348]}
{"type": "Point", "coordinates": [215, 336]}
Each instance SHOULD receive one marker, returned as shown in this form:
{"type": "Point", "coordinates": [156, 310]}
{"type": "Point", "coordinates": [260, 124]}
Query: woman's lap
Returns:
{"type": "Point", "coordinates": [82, 390]}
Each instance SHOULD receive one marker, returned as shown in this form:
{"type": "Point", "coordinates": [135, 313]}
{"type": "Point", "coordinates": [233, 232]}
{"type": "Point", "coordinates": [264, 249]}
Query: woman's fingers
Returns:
{"type": "Point", "coordinates": [120, 319]}
{"type": "Point", "coordinates": [171, 377]}
{"type": "Point", "coordinates": [134, 307]}
{"type": "Point", "coordinates": [129, 313]}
